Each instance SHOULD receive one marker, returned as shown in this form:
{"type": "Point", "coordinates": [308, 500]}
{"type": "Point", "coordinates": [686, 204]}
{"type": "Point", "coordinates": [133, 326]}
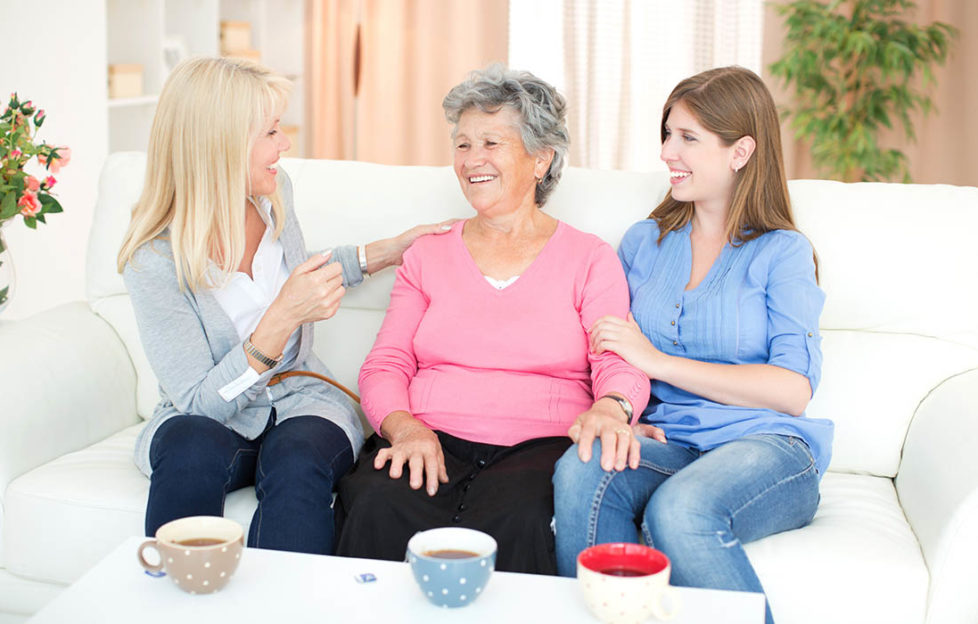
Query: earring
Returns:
{"type": "Point", "coordinates": [736, 168]}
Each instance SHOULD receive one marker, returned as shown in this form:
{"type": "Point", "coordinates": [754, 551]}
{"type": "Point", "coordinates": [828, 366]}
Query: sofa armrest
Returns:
{"type": "Point", "coordinates": [938, 488]}
{"type": "Point", "coordinates": [66, 381]}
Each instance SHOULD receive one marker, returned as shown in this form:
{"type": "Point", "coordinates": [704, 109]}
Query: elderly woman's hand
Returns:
{"type": "Point", "coordinates": [417, 445]}
{"type": "Point", "coordinates": [619, 442]}
{"type": "Point", "coordinates": [605, 421]}
{"type": "Point", "coordinates": [389, 251]}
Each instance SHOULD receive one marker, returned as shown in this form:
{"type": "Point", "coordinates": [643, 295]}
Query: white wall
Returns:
{"type": "Point", "coordinates": [56, 57]}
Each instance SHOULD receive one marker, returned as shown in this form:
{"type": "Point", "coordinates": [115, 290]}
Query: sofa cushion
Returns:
{"type": "Point", "coordinates": [859, 552]}
{"type": "Point", "coordinates": [872, 383]}
{"type": "Point", "coordinates": [894, 257]}
{"type": "Point", "coordinates": [84, 503]}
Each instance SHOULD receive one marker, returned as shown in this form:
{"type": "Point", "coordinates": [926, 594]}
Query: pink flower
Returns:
{"type": "Point", "coordinates": [48, 182]}
{"type": "Point", "coordinates": [16, 153]}
{"type": "Point", "coordinates": [32, 184]}
{"type": "Point", "coordinates": [29, 206]}
{"type": "Point", "coordinates": [64, 157]}
{"type": "Point", "coordinates": [40, 117]}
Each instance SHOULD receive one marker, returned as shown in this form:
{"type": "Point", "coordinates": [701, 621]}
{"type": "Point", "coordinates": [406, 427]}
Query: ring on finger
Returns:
{"type": "Point", "coordinates": [624, 431]}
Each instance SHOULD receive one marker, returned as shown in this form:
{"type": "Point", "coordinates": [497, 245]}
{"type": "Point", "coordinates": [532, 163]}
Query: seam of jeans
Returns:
{"type": "Point", "coordinates": [596, 502]}
{"type": "Point", "coordinates": [260, 494]}
{"type": "Point", "coordinates": [595, 511]}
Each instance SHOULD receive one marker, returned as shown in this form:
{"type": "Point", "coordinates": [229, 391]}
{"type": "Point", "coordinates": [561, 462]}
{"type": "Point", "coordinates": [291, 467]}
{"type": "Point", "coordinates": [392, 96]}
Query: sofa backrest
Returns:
{"type": "Point", "coordinates": [896, 262]}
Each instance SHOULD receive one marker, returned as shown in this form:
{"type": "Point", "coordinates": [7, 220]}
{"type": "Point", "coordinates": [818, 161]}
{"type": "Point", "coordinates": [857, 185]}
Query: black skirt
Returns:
{"type": "Point", "coordinates": [505, 491]}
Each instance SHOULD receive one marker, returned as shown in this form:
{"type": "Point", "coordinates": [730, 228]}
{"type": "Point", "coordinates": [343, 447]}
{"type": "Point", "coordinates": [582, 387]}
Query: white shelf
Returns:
{"type": "Point", "coordinates": [140, 31]}
{"type": "Point", "coordinates": [142, 100]}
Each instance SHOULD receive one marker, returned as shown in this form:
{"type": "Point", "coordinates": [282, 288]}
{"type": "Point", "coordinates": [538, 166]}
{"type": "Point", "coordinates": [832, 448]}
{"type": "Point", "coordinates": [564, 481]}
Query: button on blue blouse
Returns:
{"type": "Point", "coordinates": [759, 304]}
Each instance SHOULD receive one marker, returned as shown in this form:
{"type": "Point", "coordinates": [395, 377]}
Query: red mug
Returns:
{"type": "Point", "coordinates": [625, 582]}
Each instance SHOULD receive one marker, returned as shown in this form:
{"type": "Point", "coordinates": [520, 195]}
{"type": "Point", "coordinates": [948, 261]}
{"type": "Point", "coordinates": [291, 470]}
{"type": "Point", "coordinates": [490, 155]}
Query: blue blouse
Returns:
{"type": "Point", "coordinates": [759, 304]}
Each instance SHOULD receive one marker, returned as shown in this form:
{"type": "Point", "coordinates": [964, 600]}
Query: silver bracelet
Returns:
{"type": "Point", "coordinates": [253, 351]}
{"type": "Point", "coordinates": [362, 257]}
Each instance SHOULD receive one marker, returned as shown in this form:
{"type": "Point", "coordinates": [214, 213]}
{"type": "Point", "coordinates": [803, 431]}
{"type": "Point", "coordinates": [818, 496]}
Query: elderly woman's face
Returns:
{"type": "Point", "coordinates": [496, 173]}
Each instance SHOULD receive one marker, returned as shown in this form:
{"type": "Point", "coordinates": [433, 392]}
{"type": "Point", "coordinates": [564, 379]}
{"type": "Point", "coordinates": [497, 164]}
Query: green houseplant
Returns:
{"type": "Point", "coordinates": [855, 67]}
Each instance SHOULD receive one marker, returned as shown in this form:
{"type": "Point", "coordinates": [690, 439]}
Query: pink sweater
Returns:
{"type": "Point", "coordinates": [499, 366]}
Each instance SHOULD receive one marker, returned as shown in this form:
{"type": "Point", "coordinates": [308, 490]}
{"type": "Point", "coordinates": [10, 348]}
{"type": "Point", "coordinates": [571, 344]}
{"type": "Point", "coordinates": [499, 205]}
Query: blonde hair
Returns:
{"type": "Point", "coordinates": [733, 102]}
{"type": "Point", "coordinates": [197, 171]}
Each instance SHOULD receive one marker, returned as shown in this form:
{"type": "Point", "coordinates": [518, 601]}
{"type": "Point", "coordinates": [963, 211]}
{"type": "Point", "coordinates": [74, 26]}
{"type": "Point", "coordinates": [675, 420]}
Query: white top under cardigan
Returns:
{"type": "Point", "coordinates": [195, 349]}
{"type": "Point", "coordinates": [246, 299]}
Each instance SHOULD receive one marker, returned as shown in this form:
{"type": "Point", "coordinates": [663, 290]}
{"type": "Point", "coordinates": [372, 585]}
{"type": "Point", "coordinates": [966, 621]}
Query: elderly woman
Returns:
{"type": "Point", "coordinates": [481, 374]}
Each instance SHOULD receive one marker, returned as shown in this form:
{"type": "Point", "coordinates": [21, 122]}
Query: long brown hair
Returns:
{"type": "Point", "coordinates": [732, 102]}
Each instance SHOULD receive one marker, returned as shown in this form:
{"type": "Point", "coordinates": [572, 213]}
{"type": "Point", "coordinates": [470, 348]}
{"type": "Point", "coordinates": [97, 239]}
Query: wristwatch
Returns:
{"type": "Point", "coordinates": [625, 405]}
{"type": "Point", "coordinates": [253, 351]}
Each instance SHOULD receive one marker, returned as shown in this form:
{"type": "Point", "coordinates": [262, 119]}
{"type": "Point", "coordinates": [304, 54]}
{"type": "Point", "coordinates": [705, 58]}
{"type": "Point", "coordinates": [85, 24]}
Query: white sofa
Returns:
{"type": "Point", "coordinates": [895, 538]}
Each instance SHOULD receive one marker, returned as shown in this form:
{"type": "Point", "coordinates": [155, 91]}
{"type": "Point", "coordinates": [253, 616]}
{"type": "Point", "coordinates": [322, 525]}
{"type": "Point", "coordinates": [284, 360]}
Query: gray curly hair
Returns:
{"type": "Point", "coordinates": [542, 111]}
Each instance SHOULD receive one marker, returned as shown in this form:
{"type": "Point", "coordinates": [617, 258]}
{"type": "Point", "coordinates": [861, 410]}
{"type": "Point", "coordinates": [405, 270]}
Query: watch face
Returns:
{"type": "Point", "coordinates": [625, 405]}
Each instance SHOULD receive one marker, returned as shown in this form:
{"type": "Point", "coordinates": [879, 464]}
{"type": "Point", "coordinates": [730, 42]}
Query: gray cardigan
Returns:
{"type": "Point", "coordinates": [194, 348]}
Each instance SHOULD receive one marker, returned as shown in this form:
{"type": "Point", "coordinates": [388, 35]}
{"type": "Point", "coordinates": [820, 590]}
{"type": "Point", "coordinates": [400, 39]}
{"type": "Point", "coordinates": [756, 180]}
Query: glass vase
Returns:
{"type": "Point", "coordinates": [6, 273]}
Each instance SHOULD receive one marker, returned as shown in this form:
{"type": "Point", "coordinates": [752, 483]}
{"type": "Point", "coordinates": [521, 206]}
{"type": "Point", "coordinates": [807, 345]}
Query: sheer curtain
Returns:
{"type": "Point", "coordinates": [621, 58]}
{"type": "Point", "coordinates": [378, 70]}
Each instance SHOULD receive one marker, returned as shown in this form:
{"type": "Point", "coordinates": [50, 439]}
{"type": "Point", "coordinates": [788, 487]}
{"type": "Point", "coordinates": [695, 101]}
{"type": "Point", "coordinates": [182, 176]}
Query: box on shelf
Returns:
{"type": "Point", "coordinates": [235, 36]}
{"type": "Point", "coordinates": [253, 55]}
{"type": "Point", "coordinates": [125, 80]}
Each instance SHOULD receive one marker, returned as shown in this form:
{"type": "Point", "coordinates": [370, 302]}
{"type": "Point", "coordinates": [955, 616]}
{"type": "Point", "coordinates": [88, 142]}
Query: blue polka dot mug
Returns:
{"type": "Point", "coordinates": [452, 565]}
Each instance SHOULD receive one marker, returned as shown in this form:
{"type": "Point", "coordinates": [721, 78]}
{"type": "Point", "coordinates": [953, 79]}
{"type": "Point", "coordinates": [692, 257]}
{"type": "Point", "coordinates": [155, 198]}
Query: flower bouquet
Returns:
{"type": "Point", "coordinates": [20, 192]}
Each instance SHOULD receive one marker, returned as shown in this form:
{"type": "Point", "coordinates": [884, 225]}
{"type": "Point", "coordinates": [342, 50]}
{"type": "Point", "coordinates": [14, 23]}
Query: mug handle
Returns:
{"type": "Point", "coordinates": [667, 595]}
{"type": "Point", "coordinates": [155, 569]}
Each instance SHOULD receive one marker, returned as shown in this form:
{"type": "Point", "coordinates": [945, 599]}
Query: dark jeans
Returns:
{"type": "Point", "coordinates": [293, 465]}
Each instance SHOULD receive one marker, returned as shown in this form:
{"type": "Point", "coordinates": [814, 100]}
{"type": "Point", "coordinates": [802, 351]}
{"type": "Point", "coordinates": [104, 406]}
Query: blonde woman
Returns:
{"type": "Point", "coordinates": [225, 295]}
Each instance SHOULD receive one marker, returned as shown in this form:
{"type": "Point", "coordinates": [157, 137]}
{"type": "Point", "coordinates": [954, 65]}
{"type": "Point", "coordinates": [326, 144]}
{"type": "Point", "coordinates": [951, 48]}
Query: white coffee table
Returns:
{"type": "Point", "coordinates": [274, 586]}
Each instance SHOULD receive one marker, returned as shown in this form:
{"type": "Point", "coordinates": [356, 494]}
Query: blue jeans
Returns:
{"type": "Point", "coordinates": [699, 508]}
{"type": "Point", "coordinates": [293, 465]}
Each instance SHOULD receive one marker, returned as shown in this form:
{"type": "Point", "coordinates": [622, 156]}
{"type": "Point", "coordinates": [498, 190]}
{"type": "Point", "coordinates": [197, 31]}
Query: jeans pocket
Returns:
{"type": "Point", "coordinates": [802, 446]}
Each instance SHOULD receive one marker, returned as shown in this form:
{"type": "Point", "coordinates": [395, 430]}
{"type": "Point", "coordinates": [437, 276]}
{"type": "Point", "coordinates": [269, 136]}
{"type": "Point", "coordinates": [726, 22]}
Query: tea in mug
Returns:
{"type": "Point", "coordinates": [624, 572]}
{"type": "Point", "coordinates": [200, 541]}
{"type": "Point", "coordinates": [449, 553]}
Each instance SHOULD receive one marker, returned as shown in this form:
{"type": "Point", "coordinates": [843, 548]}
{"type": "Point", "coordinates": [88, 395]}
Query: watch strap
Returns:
{"type": "Point", "coordinates": [624, 403]}
{"type": "Point", "coordinates": [254, 352]}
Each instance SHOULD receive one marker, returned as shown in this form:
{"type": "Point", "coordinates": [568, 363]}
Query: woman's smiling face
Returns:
{"type": "Point", "coordinates": [700, 165]}
{"type": "Point", "coordinates": [265, 152]}
{"type": "Point", "coordinates": [496, 173]}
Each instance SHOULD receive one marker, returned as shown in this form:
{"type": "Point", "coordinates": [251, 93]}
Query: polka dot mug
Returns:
{"type": "Point", "coordinates": [452, 565]}
{"type": "Point", "coordinates": [199, 553]}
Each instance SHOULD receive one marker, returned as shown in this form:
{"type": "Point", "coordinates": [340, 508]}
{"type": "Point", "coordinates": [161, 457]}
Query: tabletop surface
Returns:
{"type": "Point", "coordinates": [271, 586]}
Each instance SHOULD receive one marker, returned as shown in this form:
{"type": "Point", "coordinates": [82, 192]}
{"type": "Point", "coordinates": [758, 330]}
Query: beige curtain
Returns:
{"type": "Point", "coordinates": [411, 52]}
{"type": "Point", "coordinates": [944, 151]}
